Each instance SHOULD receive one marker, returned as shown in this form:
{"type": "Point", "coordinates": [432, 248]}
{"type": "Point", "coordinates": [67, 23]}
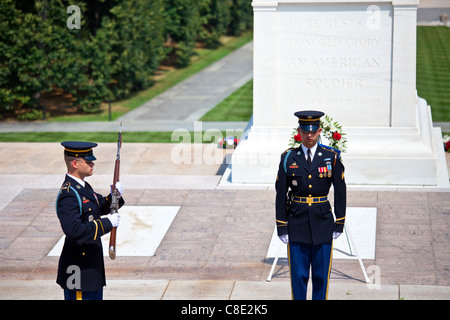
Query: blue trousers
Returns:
{"type": "Point", "coordinates": [79, 295]}
{"type": "Point", "coordinates": [301, 257]}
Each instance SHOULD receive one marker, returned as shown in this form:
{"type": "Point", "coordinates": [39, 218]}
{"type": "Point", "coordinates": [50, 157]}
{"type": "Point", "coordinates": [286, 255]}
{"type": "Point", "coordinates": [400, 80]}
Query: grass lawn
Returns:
{"type": "Point", "coordinates": [433, 70]}
{"type": "Point", "coordinates": [237, 107]}
{"type": "Point", "coordinates": [127, 137]}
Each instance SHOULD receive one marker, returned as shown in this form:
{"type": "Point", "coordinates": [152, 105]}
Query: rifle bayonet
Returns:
{"type": "Point", "coordinates": [115, 196]}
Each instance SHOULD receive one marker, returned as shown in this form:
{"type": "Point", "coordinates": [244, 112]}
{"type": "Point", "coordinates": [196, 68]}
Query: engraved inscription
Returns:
{"type": "Point", "coordinates": [332, 58]}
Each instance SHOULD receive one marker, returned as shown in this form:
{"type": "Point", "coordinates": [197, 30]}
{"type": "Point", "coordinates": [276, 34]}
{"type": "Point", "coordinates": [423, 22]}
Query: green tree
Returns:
{"type": "Point", "coordinates": [38, 53]}
{"type": "Point", "coordinates": [241, 12]}
{"type": "Point", "coordinates": [217, 17]}
{"type": "Point", "coordinates": [21, 59]}
{"type": "Point", "coordinates": [122, 49]}
{"type": "Point", "coordinates": [182, 25]}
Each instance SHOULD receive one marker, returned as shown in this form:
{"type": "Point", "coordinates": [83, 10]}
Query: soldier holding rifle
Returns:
{"type": "Point", "coordinates": [81, 270]}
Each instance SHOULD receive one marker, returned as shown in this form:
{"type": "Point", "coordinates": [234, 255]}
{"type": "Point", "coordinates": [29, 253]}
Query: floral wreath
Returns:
{"type": "Point", "coordinates": [446, 140]}
{"type": "Point", "coordinates": [228, 142]}
{"type": "Point", "coordinates": [331, 130]}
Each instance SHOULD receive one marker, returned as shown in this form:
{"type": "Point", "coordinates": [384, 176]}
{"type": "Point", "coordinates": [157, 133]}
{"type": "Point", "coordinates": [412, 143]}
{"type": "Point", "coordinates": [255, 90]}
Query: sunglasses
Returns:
{"type": "Point", "coordinates": [308, 132]}
{"type": "Point", "coordinates": [85, 161]}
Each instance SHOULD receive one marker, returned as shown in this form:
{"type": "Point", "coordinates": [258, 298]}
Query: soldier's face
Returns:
{"type": "Point", "coordinates": [309, 138]}
{"type": "Point", "coordinates": [84, 167]}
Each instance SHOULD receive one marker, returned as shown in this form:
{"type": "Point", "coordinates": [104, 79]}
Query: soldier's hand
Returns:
{"type": "Point", "coordinates": [114, 219]}
{"type": "Point", "coordinates": [284, 238]}
{"type": "Point", "coordinates": [119, 188]}
{"type": "Point", "coordinates": [336, 235]}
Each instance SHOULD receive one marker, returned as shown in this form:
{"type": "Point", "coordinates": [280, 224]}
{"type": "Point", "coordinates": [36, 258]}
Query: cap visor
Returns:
{"type": "Point", "coordinates": [90, 158]}
{"type": "Point", "coordinates": [309, 127]}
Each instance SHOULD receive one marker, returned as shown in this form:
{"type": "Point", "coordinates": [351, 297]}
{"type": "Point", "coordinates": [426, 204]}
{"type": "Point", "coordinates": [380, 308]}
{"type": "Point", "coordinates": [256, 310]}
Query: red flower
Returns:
{"type": "Point", "coordinates": [447, 146]}
{"type": "Point", "coordinates": [297, 138]}
{"type": "Point", "coordinates": [337, 136]}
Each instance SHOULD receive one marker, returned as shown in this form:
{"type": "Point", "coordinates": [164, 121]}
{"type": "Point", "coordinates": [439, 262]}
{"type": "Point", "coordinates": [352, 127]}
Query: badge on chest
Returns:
{"type": "Point", "coordinates": [325, 171]}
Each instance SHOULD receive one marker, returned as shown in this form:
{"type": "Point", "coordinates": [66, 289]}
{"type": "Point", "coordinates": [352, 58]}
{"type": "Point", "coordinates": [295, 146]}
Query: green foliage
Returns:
{"type": "Point", "coordinates": [182, 24]}
{"type": "Point", "coordinates": [241, 17]}
{"type": "Point", "coordinates": [217, 18]}
{"type": "Point", "coordinates": [433, 69]}
{"type": "Point", "coordinates": [21, 74]}
{"type": "Point", "coordinates": [221, 17]}
{"type": "Point", "coordinates": [136, 38]}
{"type": "Point", "coordinates": [119, 46]}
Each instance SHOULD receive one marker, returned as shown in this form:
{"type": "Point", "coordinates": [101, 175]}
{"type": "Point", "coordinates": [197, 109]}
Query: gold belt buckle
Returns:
{"type": "Point", "coordinates": [309, 201]}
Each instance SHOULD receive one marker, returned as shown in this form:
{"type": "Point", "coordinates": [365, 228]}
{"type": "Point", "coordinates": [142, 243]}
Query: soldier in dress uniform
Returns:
{"type": "Point", "coordinates": [81, 270]}
{"type": "Point", "coordinates": [303, 214]}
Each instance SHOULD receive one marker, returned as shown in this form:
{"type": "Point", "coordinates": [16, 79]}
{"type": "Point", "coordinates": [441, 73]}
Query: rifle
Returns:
{"type": "Point", "coordinates": [115, 196]}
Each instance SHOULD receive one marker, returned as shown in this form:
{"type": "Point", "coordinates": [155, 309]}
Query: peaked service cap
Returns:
{"type": "Point", "coordinates": [79, 149]}
{"type": "Point", "coordinates": [309, 120]}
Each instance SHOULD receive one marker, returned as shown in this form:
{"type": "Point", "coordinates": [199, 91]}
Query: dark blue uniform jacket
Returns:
{"type": "Point", "coordinates": [79, 210]}
{"type": "Point", "coordinates": [310, 223]}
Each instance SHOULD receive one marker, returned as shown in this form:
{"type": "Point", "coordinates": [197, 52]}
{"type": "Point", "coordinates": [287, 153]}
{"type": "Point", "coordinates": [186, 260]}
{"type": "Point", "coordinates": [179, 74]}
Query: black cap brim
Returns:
{"type": "Point", "coordinates": [309, 127]}
{"type": "Point", "coordinates": [90, 158]}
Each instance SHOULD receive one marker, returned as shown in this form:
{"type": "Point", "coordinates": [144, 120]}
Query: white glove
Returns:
{"type": "Point", "coordinates": [115, 219]}
{"type": "Point", "coordinates": [336, 234]}
{"type": "Point", "coordinates": [284, 238]}
{"type": "Point", "coordinates": [119, 188]}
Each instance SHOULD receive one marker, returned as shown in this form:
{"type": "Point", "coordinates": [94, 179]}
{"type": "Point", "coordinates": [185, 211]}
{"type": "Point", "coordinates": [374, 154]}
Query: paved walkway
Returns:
{"type": "Point", "coordinates": [218, 290]}
{"type": "Point", "coordinates": [216, 246]}
{"type": "Point", "coordinates": [429, 12]}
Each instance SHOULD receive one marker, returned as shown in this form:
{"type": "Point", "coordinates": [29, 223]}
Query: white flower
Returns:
{"type": "Point", "coordinates": [329, 128]}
